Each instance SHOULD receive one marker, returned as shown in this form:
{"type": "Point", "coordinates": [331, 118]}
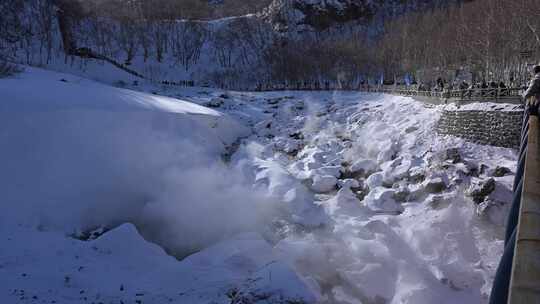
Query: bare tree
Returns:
{"type": "Point", "coordinates": [187, 40]}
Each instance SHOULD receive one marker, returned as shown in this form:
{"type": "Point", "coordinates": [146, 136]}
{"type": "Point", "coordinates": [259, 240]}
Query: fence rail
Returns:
{"type": "Point", "coordinates": [464, 95]}
{"type": "Point", "coordinates": [455, 95]}
{"type": "Point", "coordinates": [525, 277]}
{"type": "Point", "coordinates": [517, 280]}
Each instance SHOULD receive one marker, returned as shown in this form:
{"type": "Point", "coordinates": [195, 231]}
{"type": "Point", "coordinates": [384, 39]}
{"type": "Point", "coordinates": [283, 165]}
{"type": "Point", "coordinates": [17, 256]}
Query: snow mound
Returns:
{"type": "Point", "coordinates": [382, 199]}
{"type": "Point", "coordinates": [80, 154]}
{"type": "Point", "coordinates": [120, 266]}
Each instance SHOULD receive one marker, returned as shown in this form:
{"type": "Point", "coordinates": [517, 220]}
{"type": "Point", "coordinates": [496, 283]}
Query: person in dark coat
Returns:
{"type": "Point", "coordinates": [503, 90]}
{"type": "Point", "coordinates": [440, 84]}
{"type": "Point", "coordinates": [532, 94]}
{"type": "Point", "coordinates": [483, 88]}
{"type": "Point", "coordinates": [470, 90]}
{"type": "Point", "coordinates": [463, 85]}
{"type": "Point", "coordinates": [493, 86]}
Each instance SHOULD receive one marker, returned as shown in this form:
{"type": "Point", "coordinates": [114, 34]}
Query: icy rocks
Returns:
{"type": "Point", "coordinates": [462, 169]}
{"type": "Point", "coordinates": [287, 145]}
{"type": "Point", "coordinates": [471, 169]}
{"type": "Point", "coordinates": [387, 154]}
{"type": "Point", "coordinates": [501, 171]}
{"type": "Point", "coordinates": [90, 234]}
{"type": "Point", "coordinates": [303, 211]}
{"type": "Point", "coordinates": [401, 194]}
{"type": "Point", "coordinates": [456, 180]}
{"type": "Point", "coordinates": [375, 180]}
{"type": "Point", "coordinates": [263, 128]}
{"type": "Point", "coordinates": [382, 200]}
{"type": "Point", "coordinates": [273, 101]}
{"type": "Point", "coordinates": [437, 201]}
{"type": "Point", "coordinates": [345, 202]}
{"type": "Point", "coordinates": [363, 167]}
{"type": "Point", "coordinates": [402, 169]}
{"type": "Point", "coordinates": [395, 170]}
{"type": "Point", "coordinates": [453, 155]}
{"type": "Point", "coordinates": [328, 170]}
{"type": "Point", "coordinates": [297, 135]}
{"type": "Point", "coordinates": [215, 102]}
{"type": "Point", "coordinates": [494, 212]}
{"type": "Point", "coordinates": [434, 185]}
{"type": "Point", "coordinates": [411, 129]}
{"type": "Point", "coordinates": [324, 183]}
{"type": "Point", "coordinates": [349, 183]}
{"type": "Point", "coordinates": [416, 175]}
{"type": "Point", "coordinates": [299, 105]}
{"type": "Point", "coordinates": [315, 160]}
{"type": "Point", "coordinates": [479, 190]}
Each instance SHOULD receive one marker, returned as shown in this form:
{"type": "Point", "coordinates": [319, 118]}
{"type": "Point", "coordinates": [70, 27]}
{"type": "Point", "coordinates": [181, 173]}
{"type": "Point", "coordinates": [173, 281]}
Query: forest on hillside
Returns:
{"type": "Point", "coordinates": [167, 9]}
{"type": "Point", "coordinates": [284, 41]}
{"type": "Point", "coordinates": [497, 39]}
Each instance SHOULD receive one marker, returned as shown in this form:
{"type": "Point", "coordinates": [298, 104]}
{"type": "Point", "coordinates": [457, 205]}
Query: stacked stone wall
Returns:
{"type": "Point", "coordinates": [495, 128]}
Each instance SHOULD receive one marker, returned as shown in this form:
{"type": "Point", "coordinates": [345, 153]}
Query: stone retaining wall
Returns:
{"type": "Point", "coordinates": [495, 128]}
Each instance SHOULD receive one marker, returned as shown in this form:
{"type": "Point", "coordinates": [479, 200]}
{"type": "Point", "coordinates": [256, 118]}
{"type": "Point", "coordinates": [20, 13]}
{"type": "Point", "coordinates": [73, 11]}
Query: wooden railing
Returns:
{"type": "Point", "coordinates": [517, 280]}
{"type": "Point", "coordinates": [525, 276]}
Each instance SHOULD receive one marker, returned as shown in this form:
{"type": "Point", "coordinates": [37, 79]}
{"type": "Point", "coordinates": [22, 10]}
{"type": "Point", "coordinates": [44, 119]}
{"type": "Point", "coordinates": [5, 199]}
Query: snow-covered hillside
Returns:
{"type": "Point", "coordinates": [278, 197]}
{"type": "Point", "coordinates": [233, 52]}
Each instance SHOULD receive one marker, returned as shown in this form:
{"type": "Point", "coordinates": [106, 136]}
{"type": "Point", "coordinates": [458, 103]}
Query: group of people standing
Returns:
{"type": "Point", "coordinates": [441, 85]}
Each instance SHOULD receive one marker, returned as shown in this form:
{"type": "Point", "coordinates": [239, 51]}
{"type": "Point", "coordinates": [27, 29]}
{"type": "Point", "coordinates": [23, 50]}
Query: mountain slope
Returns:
{"type": "Point", "coordinates": [288, 41]}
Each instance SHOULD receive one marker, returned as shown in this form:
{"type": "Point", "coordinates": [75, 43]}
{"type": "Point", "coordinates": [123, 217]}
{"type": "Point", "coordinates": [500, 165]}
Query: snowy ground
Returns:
{"type": "Point", "coordinates": [115, 196]}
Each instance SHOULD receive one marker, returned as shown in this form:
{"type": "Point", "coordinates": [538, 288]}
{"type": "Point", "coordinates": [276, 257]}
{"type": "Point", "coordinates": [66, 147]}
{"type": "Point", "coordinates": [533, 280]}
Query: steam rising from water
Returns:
{"type": "Point", "coordinates": [93, 169]}
{"type": "Point", "coordinates": [183, 197]}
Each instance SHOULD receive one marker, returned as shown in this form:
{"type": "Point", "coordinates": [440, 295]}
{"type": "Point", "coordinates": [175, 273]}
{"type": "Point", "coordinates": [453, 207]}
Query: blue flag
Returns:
{"type": "Point", "coordinates": [408, 80]}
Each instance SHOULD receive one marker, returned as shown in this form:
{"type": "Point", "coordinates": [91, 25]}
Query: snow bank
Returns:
{"type": "Point", "coordinates": [77, 155]}
{"type": "Point", "coordinates": [121, 267]}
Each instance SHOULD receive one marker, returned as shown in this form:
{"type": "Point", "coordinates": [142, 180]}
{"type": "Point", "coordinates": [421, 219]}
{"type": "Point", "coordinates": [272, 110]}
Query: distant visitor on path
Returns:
{"type": "Point", "coordinates": [532, 94]}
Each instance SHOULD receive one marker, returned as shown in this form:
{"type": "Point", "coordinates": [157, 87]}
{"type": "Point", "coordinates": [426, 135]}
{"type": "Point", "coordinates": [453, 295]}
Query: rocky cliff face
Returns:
{"type": "Point", "coordinates": [320, 15]}
{"type": "Point", "coordinates": [317, 15]}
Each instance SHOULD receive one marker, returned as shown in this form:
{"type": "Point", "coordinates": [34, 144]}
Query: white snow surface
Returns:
{"type": "Point", "coordinates": [245, 196]}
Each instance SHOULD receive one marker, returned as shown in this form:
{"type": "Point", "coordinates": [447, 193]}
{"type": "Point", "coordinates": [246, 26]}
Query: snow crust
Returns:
{"type": "Point", "coordinates": [122, 266]}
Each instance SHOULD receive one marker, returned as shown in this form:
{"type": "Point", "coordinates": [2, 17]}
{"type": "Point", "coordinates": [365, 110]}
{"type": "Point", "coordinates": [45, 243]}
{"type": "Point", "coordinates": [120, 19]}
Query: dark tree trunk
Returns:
{"type": "Point", "coordinates": [66, 14]}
